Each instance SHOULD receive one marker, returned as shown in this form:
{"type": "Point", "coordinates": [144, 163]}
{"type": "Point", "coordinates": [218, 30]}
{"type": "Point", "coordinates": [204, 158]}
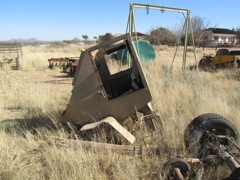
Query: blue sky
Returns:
{"type": "Point", "coordinates": [67, 19]}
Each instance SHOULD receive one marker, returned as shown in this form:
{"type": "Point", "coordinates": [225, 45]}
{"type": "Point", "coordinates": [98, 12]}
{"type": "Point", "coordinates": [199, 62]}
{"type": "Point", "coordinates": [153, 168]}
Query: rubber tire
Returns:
{"type": "Point", "coordinates": [175, 163]}
{"type": "Point", "coordinates": [194, 133]}
{"type": "Point", "coordinates": [204, 64]}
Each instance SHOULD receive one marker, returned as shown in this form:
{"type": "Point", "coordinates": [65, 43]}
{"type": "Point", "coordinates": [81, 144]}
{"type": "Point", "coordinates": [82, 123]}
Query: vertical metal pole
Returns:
{"type": "Point", "coordinates": [184, 26]}
{"type": "Point", "coordinates": [130, 28]}
{"type": "Point", "coordinates": [130, 19]}
{"type": "Point", "coordinates": [185, 43]}
{"type": "Point", "coordinates": [135, 30]}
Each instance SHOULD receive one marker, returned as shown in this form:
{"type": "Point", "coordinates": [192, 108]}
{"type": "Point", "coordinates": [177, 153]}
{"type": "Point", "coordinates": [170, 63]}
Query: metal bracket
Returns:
{"type": "Point", "coordinates": [113, 122]}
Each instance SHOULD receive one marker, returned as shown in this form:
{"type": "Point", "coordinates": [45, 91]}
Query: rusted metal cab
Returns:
{"type": "Point", "coordinates": [226, 56]}
{"type": "Point", "coordinates": [98, 93]}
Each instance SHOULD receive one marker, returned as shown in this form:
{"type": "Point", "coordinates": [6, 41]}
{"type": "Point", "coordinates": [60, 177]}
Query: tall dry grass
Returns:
{"type": "Point", "coordinates": [35, 93]}
{"type": "Point", "coordinates": [35, 57]}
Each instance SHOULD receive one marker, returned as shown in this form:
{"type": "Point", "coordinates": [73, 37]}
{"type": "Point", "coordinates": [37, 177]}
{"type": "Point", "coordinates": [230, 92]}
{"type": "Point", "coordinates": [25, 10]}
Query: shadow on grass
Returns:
{"type": "Point", "coordinates": [31, 124]}
{"type": "Point", "coordinates": [59, 81]}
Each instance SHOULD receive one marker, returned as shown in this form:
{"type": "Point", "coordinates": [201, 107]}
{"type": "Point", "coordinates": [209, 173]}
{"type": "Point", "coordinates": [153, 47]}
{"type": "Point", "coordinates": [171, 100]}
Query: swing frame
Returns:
{"type": "Point", "coordinates": [131, 27]}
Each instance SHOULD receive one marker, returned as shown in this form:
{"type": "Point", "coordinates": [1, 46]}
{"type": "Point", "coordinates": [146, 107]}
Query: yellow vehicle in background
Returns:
{"type": "Point", "coordinates": [225, 57]}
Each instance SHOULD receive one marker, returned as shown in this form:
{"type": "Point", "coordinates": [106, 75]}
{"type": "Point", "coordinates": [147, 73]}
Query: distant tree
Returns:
{"type": "Point", "coordinates": [95, 37]}
{"type": "Point", "coordinates": [198, 24]}
{"type": "Point", "coordinates": [162, 36]}
{"type": "Point", "coordinates": [85, 37]}
{"type": "Point", "coordinates": [190, 39]}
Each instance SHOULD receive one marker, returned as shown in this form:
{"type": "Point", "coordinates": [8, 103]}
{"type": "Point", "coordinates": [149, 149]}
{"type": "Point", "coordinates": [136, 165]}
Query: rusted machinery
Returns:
{"type": "Point", "coordinates": [10, 55]}
{"type": "Point", "coordinates": [103, 96]}
{"type": "Point", "coordinates": [68, 64]}
{"type": "Point", "coordinates": [100, 96]}
{"type": "Point", "coordinates": [212, 140]}
{"type": "Point", "coordinates": [224, 58]}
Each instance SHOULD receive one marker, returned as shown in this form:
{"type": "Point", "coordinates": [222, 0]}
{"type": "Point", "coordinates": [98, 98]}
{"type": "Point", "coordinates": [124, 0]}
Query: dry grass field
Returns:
{"type": "Point", "coordinates": [38, 94]}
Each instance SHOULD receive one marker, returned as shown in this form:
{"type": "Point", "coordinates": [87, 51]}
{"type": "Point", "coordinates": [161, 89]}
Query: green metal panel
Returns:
{"type": "Point", "coordinates": [146, 52]}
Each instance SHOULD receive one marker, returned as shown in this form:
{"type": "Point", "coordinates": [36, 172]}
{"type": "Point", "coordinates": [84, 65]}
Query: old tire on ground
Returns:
{"type": "Point", "coordinates": [168, 168]}
{"type": "Point", "coordinates": [199, 136]}
{"type": "Point", "coordinates": [204, 63]}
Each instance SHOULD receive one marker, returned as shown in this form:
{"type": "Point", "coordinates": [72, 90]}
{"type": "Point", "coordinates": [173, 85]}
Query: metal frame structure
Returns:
{"type": "Point", "coordinates": [10, 53]}
{"type": "Point", "coordinates": [99, 96]}
{"type": "Point", "coordinates": [131, 26]}
{"type": "Point", "coordinates": [68, 64]}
